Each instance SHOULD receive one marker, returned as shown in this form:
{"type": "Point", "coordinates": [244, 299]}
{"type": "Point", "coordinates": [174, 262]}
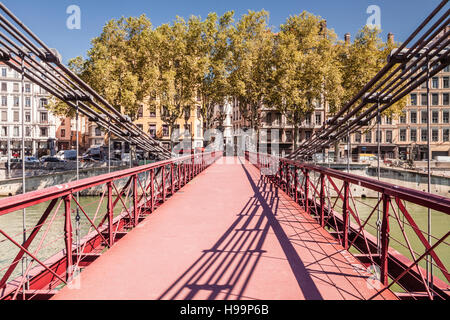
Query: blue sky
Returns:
{"type": "Point", "coordinates": [47, 18]}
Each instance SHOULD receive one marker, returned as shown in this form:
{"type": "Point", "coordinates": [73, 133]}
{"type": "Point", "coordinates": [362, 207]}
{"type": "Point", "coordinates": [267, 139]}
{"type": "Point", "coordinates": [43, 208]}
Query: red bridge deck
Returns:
{"type": "Point", "coordinates": [226, 235]}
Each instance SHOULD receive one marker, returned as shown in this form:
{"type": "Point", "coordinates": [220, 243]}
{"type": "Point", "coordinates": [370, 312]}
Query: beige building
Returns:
{"type": "Point", "coordinates": [406, 137]}
{"type": "Point", "coordinates": [188, 128]}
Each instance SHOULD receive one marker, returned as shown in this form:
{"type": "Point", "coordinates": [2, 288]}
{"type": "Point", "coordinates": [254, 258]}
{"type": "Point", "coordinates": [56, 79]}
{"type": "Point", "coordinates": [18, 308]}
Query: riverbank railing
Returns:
{"type": "Point", "coordinates": [383, 233]}
{"type": "Point", "coordinates": [65, 232]}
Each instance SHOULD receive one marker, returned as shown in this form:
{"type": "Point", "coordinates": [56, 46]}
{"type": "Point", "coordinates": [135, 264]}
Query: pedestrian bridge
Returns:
{"type": "Point", "coordinates": [212, 227]}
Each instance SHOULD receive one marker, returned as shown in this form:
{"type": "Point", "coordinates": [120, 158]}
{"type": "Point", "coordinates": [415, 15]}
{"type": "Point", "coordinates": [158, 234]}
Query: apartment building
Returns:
{"type": "Point", "coordinates": [66, 133]}
{"type": "Point", "coordinates": [187, 132]}
{"type": "Point", "coordinates": [406, 137]}
{"type": "Point", "coordinates": [40, 123]}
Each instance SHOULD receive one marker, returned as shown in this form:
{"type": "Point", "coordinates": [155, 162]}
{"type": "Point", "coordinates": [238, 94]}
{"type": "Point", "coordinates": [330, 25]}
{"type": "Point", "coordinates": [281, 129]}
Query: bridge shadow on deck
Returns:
{"type": "Point", "coordinates": [224, 270]}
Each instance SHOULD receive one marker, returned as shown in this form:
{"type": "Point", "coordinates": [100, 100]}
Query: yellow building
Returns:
{"type": "Point", "coordinates": [187, 133]}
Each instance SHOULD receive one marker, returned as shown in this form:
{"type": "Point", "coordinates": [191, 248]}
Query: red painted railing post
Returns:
{"type": "Point", "coordinates": [163, 177]}
{"type": "Point", "coordinates": [296, 184]}
{"type": "Point", "coordinates": [152, 190]}
{"type": "Point", "coordinates": [172, 180]}
{"type": "Point", "coordinates": [346, 214]}
{"type": "Point", "coordinates": [184, 173]}
{"type": "Point", "coordinates": [179, 175]}
{"type": "Point", "coordinates": [306, 173]}
{"type": "Point", "coordinates": [322, 200]}
{"type": "Point", "coordinates": [110, 214]}
{"type": "Point", "coordinates": [385, 240]}
{"type": "Point", "coordinates": [135, 200]}
{"type": "Point", "coordinates": [288, 188]}
{"type": "Point", "coordinates": [68, 237]}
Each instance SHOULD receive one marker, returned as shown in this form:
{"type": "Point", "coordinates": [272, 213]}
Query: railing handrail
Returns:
{"type": "Point", "coordinates": [18, 202]}
{"type": "Point", "coordinates": [435, 202]}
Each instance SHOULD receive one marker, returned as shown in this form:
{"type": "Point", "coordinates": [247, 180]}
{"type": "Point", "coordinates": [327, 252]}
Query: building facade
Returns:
{"type": "Point", "coordinates": [40, 123]}
{"type": "Point", "coordinates": [186, 134]}
{"type": "Point", "coordinates": [406, 137]}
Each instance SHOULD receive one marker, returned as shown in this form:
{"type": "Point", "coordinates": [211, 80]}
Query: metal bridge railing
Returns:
{"type": "Point", "coordinates": [383, 233]}
{"type": "Point", "coordinates": [65, 234]}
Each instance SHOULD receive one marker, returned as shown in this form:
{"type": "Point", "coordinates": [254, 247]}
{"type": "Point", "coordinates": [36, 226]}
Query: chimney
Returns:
{"type": "Point", "coordinates": [390, 37]}
{"type": "Point", "coordinates": [347, 38]}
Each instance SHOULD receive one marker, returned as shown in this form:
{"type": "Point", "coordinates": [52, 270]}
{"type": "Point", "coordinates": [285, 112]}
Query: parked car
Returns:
{"type": "Point", "coordinates": [51, 159]}
{"type": "Point", "coordinates": [31, 160]}
{"type": "Point", "coordinates": [67, 155]}
{"type": "Point", "coordinates": [95, 153]}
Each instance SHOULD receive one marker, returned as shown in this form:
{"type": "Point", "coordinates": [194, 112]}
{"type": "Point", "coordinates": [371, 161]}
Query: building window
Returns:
{"type": "Point", "coordinates": [403, 117]}
{"type": "Point", "coordinates": [63, 133]}
{"type": "Point", "coordinates": [446, 135]}
{"type": "Point", "coordinates": [424, 117]}
{"type": "Point", "coordinates": [445, 82]}
{"type": "Point", "coordinates": [368, 137]}
{"type": "Point", "coordinates": [44, 132]}
{"type": "Point", "coordinates": [447, 69]}
{"type": "Point", "coordinates": [402, 135]}
{"type": "Point", "coordinates": [4, 101]}
{"type": "Point", "coordinates": [388, 120]}
{"type": "Point", "coordinates": [15, 87]}
{"type": "Point", "coordinates": [4, 131]}
{"type": "Point", "coordinates": [165, 130]}
{"type": "Point", "coordinates": [357, 137]}
{"type": "Point", "coordinates": [424, 134]}
{"type": "Point", "coordinates": [140, 112]}
{"type": "Point", "coordinates": [423, 101]}
{"type": "Point", "coordinates": [28, 131]}
{"type": "Point", "coordinates": [445, 99]}
{"type": "Point", "coordinates": [187, 112]}
{"type": "Point", "coordinates": [308, 120]}
{"type": "Point", "coordinates": [43, 103]}
{"type": "Point", "coordinates": [16, 116]}
{"type": "Point", "coordinates": [269, 119]}
{"type": "Point", "coordinates": [435, 83]}
{"type": "Point", "coordinates": [27, 102]}
{"type": "Point", "coordinates": [413, 99]}
{"type": "Point", "coordinates": [435, 116]}
{"type": "Point", "coordinates": [16, 101]}
{"type": "Point", "coordinates": [413, 135]}
{"type": "Point", "coordinates": [307, 135]}
{"type": "Point", "coordinates": [98, 132]}
{"type": "Point", "coordinates": [16, 131]}
{"type": "Point", "coordinates": [152, 112]}
{"type": "Point", "coordinates": [44, 117]}
{"type": "Point", "coordinates": [378, 136]}
{"type": "Point", "coordinates": [4, 87]}
{"type": "Point", "coordinates": [435, 135]}
{"type": "Point", "coordinates": [434, 99]}
{"type": "Point", "coordinates": [388, 136]}
{"type": "Point", "coordinates": [445, 116]}
{"type": "Point", "coordinates": [318, 119]}
{"type": "Point", "coordinates": [413, 117]}
{"type": "Point", "coordinates": [27, 117]}
{"type": "Point", "coordinates": [4, 116]}
{"type": "Point", "coordinates": [152, 130]}
{"type": "Point", "coordinates": [3, 72]}
{"type": "Point", "coordinates": [27, 88]}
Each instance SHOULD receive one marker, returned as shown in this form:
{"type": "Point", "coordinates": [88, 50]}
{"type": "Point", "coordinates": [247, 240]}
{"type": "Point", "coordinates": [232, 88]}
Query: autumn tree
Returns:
{"type": "Point", "coordinates": [251, 45]}
{"type": "Point", "coordinates": [305, 69]}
